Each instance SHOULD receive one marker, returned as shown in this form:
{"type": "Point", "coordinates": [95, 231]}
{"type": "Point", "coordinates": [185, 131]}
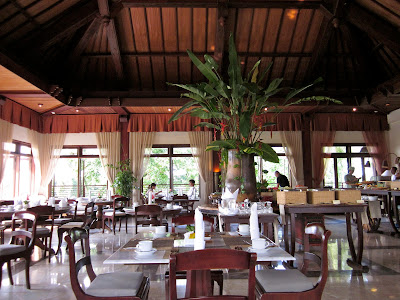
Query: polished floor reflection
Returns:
{"type": "Point", "coordinates": [381, 254]}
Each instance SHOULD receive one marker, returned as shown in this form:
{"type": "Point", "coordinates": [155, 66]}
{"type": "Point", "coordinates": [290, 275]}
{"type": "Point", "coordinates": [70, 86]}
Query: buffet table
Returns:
{"type": "Point", "coordinates": [347, 209]}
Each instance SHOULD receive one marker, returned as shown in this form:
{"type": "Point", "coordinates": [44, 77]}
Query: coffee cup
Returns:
{"type": "Point", "coordinates": [244, 228]}
{"type": "Point", "coordinates": [10, 207]}
{"type": "Point", "coordinates": [160, 230]}
{"type": "Point", "coordinates": [169, 206]}
{"type": "Point", "coordinates": [259, 243]}
{"type": "Point", "coordinates": [145, 246]}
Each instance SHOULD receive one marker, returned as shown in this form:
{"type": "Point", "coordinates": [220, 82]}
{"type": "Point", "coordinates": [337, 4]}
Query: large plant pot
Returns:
{"type": "Point", "coordinates": [241, 166]}
{"type": "Point", "coordinates": [233, 171]}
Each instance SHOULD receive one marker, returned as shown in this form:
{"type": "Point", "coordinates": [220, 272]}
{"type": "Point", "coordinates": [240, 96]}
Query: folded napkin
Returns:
{"type": "Point", "coordinates": [199, 242]}
{"type": "Point", "coordinates": [254, 230]}
{"type": "Point", "coordinates": [228, 195]}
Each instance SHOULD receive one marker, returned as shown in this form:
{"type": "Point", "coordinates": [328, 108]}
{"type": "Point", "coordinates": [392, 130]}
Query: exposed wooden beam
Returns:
{"type": "Point", "coordinates": [373, 26]}
{"type": "Point", "coordinates": [232, 3]}
{"type": "Point", "coordinates": [220, 33]}
{"type": "Point", "coordinates": [120, 110]}
{"type": "Point", "coordinates": [76, 17]}
{"type": "Point", "coordinates": [112, 37]}
{"type": "Point", "coordinates": [82, 44]}
{"type": "Point", "coordinates": [199, 54]}
{"type": "Point", "coordinates": [25, 13]}
{"type": "Point", "coordinates": [24, 94]}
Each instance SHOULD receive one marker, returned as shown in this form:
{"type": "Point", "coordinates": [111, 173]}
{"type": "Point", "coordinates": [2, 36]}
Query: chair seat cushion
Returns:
{"type": "Point", "coordinates": [117, 213]}
{"type": "Point", "coordinates": [11, 249]}
{"type": "Point", "coordinates": [9, 222]}
{"type": "Point", "coordinates": [118, 284]}
{"type": "Point", "coordinates": [60, 220]}
{"type": "Point", "coordinates": [72, 225]}
{"type": "Point", "coordinates": [40, 230]}
{"type": "Point", "coordinates": [108, 210]}
{"type": "Point", "coordinates": [279, 281]}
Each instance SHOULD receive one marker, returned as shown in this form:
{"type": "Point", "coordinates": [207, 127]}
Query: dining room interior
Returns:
{"type": "Point", "coordinates": [210, 149]}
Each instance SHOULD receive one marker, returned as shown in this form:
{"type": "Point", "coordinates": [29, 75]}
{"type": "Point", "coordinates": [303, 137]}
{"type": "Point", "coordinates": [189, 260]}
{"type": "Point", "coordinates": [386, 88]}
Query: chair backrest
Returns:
{"type": "Point", "coordinates": [6, 202]}
{"type": "Point", "coordinates": [208, 259]}
{"type": "Point", "coordinates": [148, 210]}
{"type": "Point", "coordinates": [43, 213]}
{"type": "Point", "coordinates": [189, 220]}
{"type": "Point", "coordinates": [316, 229]}
{"type": "Point", "coordinates": [90, 215]}
{"type": "Point", "coordinates": [161, 202]}
{"type": "Point", "coordinates": [73, 203]}
{"type": "Point", "coordinates": [78, 234]}
{"type": "Point", "coordinates": [119, 203]}
{"type": "Point", "coordinates": [29, 220]}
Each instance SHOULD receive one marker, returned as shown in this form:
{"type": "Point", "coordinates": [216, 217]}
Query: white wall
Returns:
{"type": "Point", "coordinates": [349, 137]}
{"type": "Point", "coordinates": [80, 139]}
{"type": "Point", "coordinates": [177, 137]}
{"type": "Point", "coordinates": [21, 134]}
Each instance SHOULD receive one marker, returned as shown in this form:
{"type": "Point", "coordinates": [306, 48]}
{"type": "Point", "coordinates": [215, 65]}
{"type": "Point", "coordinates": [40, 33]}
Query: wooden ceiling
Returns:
{"type": "Point", "coordinates": [116, 56]}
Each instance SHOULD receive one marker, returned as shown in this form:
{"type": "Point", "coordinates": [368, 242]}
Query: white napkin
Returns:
{"type": "Point", "coordinates": [228, 195]}
{"type": "Point", "coordinates": [199, 242]}
{"type": "Point", "coordinates": [150, 197]}
{"type": "Point", "coordinates": [254, 230]}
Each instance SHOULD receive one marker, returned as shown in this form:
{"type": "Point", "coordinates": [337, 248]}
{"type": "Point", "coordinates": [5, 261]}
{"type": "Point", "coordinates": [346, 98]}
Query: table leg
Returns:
{"type": "Point", "coordinates": [395, 210]}
{"type": "Point", "coordinates": [286, 235]}
{"type": "Point", "coordinates": [356, 257]}
{"type": "Point", "coordinates": [389, 213]}
{"type": "Point", "coordinates": [292, 235]}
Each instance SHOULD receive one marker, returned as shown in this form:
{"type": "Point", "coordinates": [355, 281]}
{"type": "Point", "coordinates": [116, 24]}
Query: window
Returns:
{"type": "Point", "coordinates": [262, 166]}
{"type": "Point", "coordinates": [171, 167]}
{"type": "Point", "coordinates": [78, 172]}
{"type": "Point", "coordinates": [18, 171]}
{"type": "Point", "coordinates": [342, 156]}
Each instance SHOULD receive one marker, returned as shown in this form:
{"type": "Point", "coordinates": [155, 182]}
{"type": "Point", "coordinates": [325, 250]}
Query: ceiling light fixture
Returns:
{"type": "Point", "coordinates": [77, 110]}
{"type": "Point", "coordinates": [169, 109]}
{"type": "Point", "coordinates": [354, 108]}
{"type": "Point", "coordinates": [387, 104]}
{"type": "Point", "coordinates": [53, 112]}
{"type": "Point", "coordinates": [40, 104]}
{"type": "Point", "coordinates": [266, 108]}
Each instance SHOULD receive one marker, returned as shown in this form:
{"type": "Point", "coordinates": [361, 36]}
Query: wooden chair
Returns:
{"type": "Point", "coordinates": [108, 286]}
{"type": "Point", "coordinates": [216, 275]}
{"type": "Point", "coordinates": [186, 204]}
{"type": "Point", "coordinates": [189, 220]}
{"type": "Point", "coordinates": [45, 218]}
{"type": "Point", "coordinates": [90, 219]}
{"type": "Point", "coordinates": [292, 284]}
{"type": "Point", "coordinates": [152, 214]}
{"type": "Point", "coordinates": [15, 250]}
{"type": "Point", "coordinates": [198, 264]}
{"type": "Point", "coordinates": [117, 214]}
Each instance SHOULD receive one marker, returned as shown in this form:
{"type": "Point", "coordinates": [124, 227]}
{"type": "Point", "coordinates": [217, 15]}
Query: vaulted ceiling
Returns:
{"type": "Point", "coordinates": [116, 56]}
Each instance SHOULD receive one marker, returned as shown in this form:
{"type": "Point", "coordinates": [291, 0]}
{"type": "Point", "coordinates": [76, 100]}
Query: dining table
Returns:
{"type": "Point", "coordinates": [173, 243]}
{"type": "Point", "coordinates": [292, 210]}
{"type": "Point", "coordinates": [5, 214]}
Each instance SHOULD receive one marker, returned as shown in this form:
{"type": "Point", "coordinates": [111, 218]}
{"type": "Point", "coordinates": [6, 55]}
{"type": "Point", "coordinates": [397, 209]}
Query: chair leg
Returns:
{"type": "Point", "coordinates": [126, 224]}
{"type": "Point", "coordinates": [104, 220]}
{"type": "Point", "coordinates": [45, 246]}
{"type": "Point", "coordinates": [9, 272]}
{"type": "Point", "coordinates": [1, 273]}
{"type": "Point", "coordinates": [60, 233]}
{"type": "Point", "coordinates": [83, 248]}
{"type": "Point", "coordinates": [114, 224]}
{"type": "Point", "coordinates": [27, 264]}
{"type": "Point", "coordinates": [51, 238]}
{"type": "Point", "coordinates": [120, 219]}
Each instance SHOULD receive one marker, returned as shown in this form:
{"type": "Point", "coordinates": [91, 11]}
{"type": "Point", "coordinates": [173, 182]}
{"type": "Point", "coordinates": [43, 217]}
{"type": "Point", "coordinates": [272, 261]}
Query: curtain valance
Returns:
{"type": "Point", "coordinates": [349, 122]}
{"type": "Point", "coordinates": [284, 121]}
{"type": "Point", "coordinates": [159, 123]}
{"type": "Point", "coordinates": [20, 115]}
{"type": "Point", "coordinates": [81, 123]}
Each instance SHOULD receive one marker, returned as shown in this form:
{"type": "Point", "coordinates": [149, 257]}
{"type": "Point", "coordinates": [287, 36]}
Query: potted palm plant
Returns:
{"type": "Point", "coordinates": [124, 179]}
{"type": "Point", "coordinates": [236, 109]}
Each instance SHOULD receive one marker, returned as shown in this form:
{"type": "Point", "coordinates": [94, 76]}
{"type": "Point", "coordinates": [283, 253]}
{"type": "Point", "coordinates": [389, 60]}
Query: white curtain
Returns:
{"type": "Point", "coordinates": [6, 130]}
{"type": "Point", "coordinates": [46, 150]}
{"type": "Point", "coordinates": [109, 144]}
{"type": "Point", "coordinates": [198, 142]}
{"type": "Point", "coordinates": [292, 145]}
{"type": "Point", "coordinates": [140, 144]}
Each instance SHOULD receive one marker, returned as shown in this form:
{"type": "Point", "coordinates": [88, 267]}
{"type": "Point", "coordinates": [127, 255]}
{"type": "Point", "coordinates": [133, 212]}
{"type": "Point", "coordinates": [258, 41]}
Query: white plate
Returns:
{"type": "Point", "coordinates": [144, 253]}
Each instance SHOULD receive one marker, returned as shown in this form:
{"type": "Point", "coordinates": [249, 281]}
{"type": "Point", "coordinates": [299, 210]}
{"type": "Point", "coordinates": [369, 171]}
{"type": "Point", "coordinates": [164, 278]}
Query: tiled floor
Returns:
{"type": "Point", "coordinates": [381, 254]}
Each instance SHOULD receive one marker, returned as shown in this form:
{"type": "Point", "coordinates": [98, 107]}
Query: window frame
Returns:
{"type": "Point", "coordinates": [348, 155]}
{"type": "Point", "coordinates": [81, 172]}
{"type": "Point", "coordinates": [170, 155]}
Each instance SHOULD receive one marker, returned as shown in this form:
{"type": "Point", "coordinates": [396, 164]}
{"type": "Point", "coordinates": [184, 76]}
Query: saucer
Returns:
{"type": "Point", "coordinates": [258, 251]}
{"type": "Point", "coordinates": [144, 253]}
{"type": "Point", "coordinates": [244, 233]}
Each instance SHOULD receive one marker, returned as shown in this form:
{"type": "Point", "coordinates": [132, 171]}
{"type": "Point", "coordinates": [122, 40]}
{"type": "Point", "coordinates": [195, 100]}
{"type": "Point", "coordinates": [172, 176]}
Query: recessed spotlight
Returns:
{"type": "Point", "coordinates": [242, 62]}
{"type": "Point", "coordinates": [375, 111]}
{"type": "Point", "coordinates": [77, 110]}
{"type": "Point", "coordinates": [40, 104]}
{"type": "Point", "coordinates": [266, 108]}
{"type": "Point", "coordinates": [354, 109]}
{"type": "Point", "coordinates": [169, 109]}
{"type": "Point", "coordinates": [53, 112]}
{"type": "Point", "coordinates": [387, 104]}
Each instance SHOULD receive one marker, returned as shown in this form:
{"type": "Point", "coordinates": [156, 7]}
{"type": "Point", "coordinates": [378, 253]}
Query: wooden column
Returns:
{"type": "Point", "coordinates": [124, 141]}
{"type": "Point", "coordinates": [307, 156]}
